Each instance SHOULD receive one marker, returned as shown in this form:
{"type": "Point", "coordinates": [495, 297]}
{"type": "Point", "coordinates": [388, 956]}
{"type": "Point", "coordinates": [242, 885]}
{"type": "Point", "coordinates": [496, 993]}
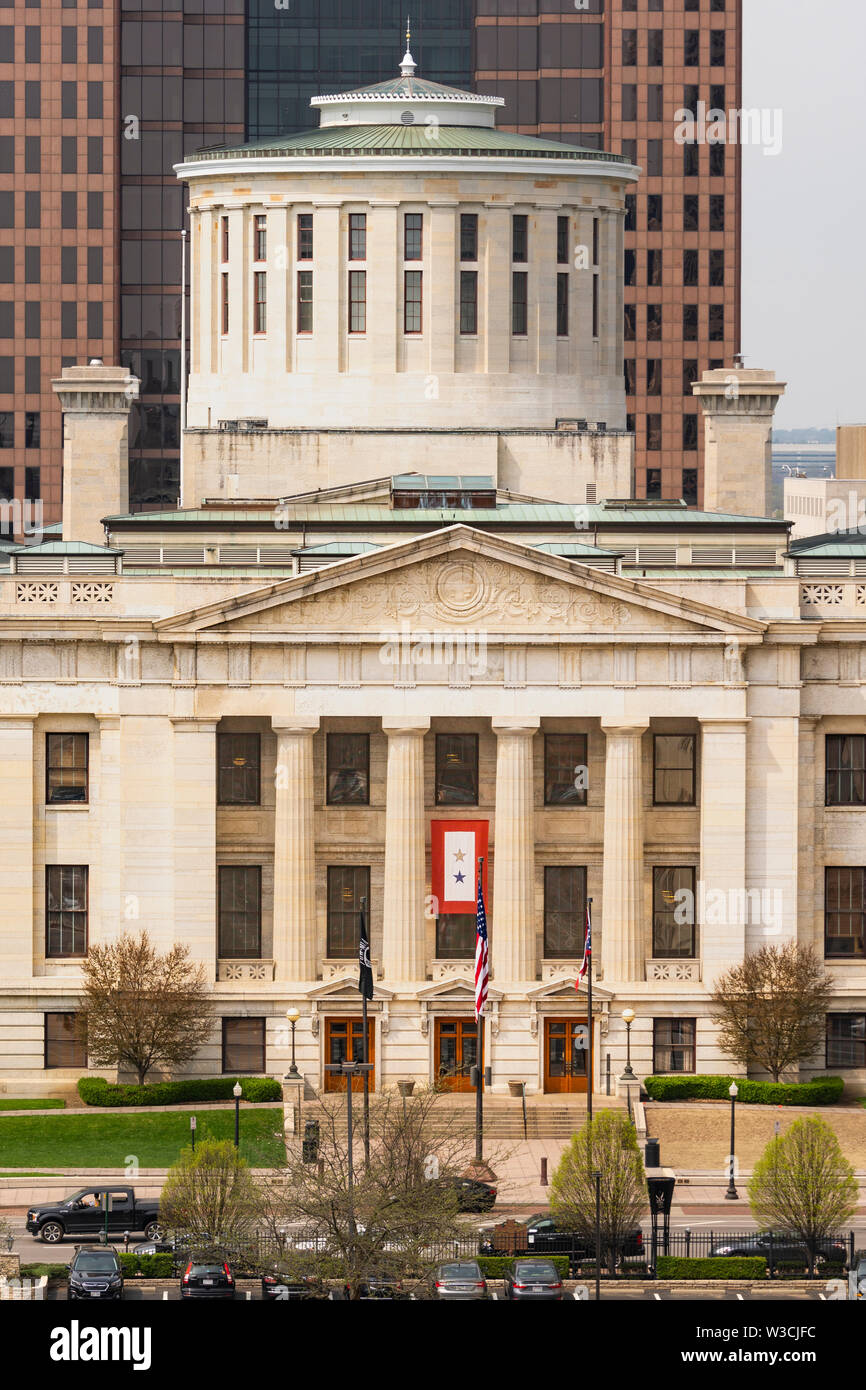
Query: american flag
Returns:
{"type": "Point", "coordinates": [482, 971]}
{"type": "Point", "coordinates": [586, 963]}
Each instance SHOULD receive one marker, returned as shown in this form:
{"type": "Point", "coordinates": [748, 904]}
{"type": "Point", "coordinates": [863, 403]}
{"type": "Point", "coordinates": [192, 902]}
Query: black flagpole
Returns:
{"type": "Point", "coordinates": [479, 1054]}
{"type": "Point", "coordinates": [364, 1056]}
{"type": "Point", "coordinates": [589, 1059]}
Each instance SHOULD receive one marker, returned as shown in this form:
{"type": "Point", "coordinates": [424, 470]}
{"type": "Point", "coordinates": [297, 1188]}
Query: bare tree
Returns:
{"type": "Point", "coordinates": [209, 1201]}
{"type": "Point", "coordinates": [142, 1008]}
{"type": "Point", "coordinates": [401, 1208]}
{"type": "Point", "coordinates": [606, 1145]}
{"type": "Point", "coordinates": [771, 1008]}
{"type": "Point", "coordinates": [803, 1184]}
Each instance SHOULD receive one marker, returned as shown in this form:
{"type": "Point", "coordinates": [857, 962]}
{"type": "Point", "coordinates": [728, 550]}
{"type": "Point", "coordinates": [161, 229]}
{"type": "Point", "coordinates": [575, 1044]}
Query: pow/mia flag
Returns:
{"type": "Point", "coordinates": [365, 975]}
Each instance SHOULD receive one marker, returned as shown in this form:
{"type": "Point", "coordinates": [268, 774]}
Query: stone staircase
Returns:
{"type": "Point", "coordinates": [547, 1117]}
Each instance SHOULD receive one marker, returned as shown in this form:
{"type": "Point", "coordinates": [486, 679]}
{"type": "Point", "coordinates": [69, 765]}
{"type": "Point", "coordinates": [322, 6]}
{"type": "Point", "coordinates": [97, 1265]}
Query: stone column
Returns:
{"type": "Point", "coordinates": [328, 268]}
{"type": "Point", "coordinates": [494, 252]}
{"type": "Point", "coordinates": [439, 262]}
{"type": "Point", "coordinates": [543, 271]}
{"type": "Point", "coordinates": [95, 402]}
{"type": "Point", "coordinates": [384, 247]}
{"type": "Point", "coordinates": [16, 846]}
{"type": "Point", "coordinates": [723, 842]}
{"type": "Point", "coordinates": [513, 919]}
{"type": "Point", "coordinates": [294, 935]}
{"type": "Point", "coordinates": [622, 875]}
{"type": "Point", "coordinates": [738, 405]}
{"type": "Point", "coordinates": [403, 927]}
{"type": "Point", "coordinates": [194, 839]}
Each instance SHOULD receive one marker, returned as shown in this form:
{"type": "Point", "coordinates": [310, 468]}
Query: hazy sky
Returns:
{"type": "Point", "coordinates": [804, 210]}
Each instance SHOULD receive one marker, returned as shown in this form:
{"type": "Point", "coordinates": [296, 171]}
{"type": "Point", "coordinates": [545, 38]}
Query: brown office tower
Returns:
{"type": "Point", "coordinates": [614, 76]}
{"type": "Point", "coordinates": [58, 225]}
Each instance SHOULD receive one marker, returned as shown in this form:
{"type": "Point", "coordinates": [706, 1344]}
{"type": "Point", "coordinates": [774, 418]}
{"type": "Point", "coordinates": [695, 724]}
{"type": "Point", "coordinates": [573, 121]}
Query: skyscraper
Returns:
{"type": "Point", "coordinates": [97, 103]}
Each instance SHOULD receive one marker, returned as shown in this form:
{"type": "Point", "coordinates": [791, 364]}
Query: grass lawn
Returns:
{"type": "Point", "coordinates": [15, 1104]}
{"type": "Point", "coordinates": [155, 1141]}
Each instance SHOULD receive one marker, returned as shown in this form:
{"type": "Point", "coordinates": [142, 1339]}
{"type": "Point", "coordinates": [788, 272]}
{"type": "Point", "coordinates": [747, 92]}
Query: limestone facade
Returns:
{"type": "Point", "coordinates": [455, 633]}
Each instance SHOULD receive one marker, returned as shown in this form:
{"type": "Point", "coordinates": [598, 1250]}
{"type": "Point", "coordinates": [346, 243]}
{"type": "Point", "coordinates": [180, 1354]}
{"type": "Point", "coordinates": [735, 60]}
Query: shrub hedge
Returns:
{"type": "Point", "coordinates": [822, 1090]}
{"type": "Point", "coordinates": [151, 1266]}
{"type": "Point", "coordinates": [496, 1266]}
{"type": "Point", "coordinates": [724, 1267]}
{"type": "Point", "coordinates": [95, 1090]}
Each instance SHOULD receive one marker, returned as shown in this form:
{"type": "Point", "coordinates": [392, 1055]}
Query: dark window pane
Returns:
{"type": "Point", "coordinates": [66, 910]}
{"type": "Point", "coordinates": [564, 910]}
{"type": "Point", "coordinates": [348, 769]}
{"type": "Point", "coordinates": [412, 301]}
{"type": "Point", "coordinates": [673, 1045]}
{"type": "Point", "coordinates": [844, 922]}
{"type": "Point", "coordinates": [845, 769]}
{"type": "Point", "coordinates": [64, 1044]}
{"type": "Point", "coordinates": [32, 429]}
{"type": "Point", "coordinates": [674, 911]}
{"type": "Point", "coordinates": [240, 910]}
{"type": "Point", "coordinates": [455, 936]}
{"type": "Point", "coordinates": [32, 265]}
{"type": "Point", "coordinates": [846, 1040]}
{"type": "Point", "coordinates": [519, 304]}
{"type": "Point", "coordinates": [305, 301]}
{"type": "Point", "coordinates": [347, 885]}
{"type": "Point", "coordinates": [674, 770]}
{"type": "Point", "coordinates": [456, 769]}
{"type": "Point", "coordinates": [468, 236]}
{"type": "Point", "coordinates": [413, 232]}
{"type": "Point", "coordinates": [562, 304]}
{"type": "Point", "coordinates": [305, 236]}
{"type": "Point", "coordinates": [66, 758]}
{"type": "Point", "coordinates": [469, 301]}
{"type": "Point", "coordinates": [357, 301]}
{"type": "Point", "coordinates": [690, 431]}
{"type": "Point", "coordinates": [244, 1045]}
{"type": "Point", "coordinates": [519, 237]}
{"type": "Point", "coordinates": [357, 236]}
{"type": "Point", "coordinates": [716, 322]}
{"type": "Point", "coordinates": [565, 770]}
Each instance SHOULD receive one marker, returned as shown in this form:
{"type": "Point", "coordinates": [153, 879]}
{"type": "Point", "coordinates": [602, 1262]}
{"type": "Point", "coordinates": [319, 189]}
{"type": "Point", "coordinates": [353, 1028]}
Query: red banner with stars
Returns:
{"type": "Point", "coordinates": [456, 846]}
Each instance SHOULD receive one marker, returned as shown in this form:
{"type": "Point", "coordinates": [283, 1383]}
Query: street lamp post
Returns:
{"type": "Point", "coordinates": [293, 1015]}
{"type": "Point", "coordinates": [732, 1195]}
{"type": "Point", "coordinates": [628, 1017]}
{"type": "Point", "coordinates": [236, 1092]}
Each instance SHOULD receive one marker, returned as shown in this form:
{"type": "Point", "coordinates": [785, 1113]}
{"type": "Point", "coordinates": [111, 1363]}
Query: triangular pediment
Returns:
{"type": "Point", "coordinates": [465, 580]}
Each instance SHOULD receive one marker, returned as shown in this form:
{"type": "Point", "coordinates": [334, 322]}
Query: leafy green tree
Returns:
{"type": "Point", "coordinates": [804, 1185]}
{"type": "Point", "coordinates": [608, 1145]}
{"type": "Point", "coordinates": [209, 1202]}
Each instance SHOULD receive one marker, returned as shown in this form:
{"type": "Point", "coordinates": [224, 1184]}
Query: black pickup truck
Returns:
{"type": "Point", "coordinates": [540, 1236]}
{"type": "Point", "coordinates": [91, 1212]}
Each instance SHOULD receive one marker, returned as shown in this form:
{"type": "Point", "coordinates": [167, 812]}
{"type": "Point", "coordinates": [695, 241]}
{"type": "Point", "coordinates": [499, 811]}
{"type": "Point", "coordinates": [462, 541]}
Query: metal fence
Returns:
{"type": "Point", "coordinates": [783, 1254]}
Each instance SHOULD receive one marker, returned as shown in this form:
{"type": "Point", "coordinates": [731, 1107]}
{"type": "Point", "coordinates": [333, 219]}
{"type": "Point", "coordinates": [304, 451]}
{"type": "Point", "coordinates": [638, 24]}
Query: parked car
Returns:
{"type": "Point", "coordinates": [472, 1194]}
{"type": "Point", "coordinates": [783, 1247]}
{"type": "Point", "coordinates": [93, 1210]}
{"type": "Point", "coordinates": [382, 1286]}
{"type": "Point", "coordinates": [94, 1273]}
{"type": "Point", "coordinates": [857, 1276]}
{"type": "Point", "coordinates": [459, 1281]}
{"type": "Point", "coordinates": [532, 1281]}
{"type": "Point", "coordinates": [540, 1235]}
{"type": "Point", "coordinates": [278, 1286]}
{"type": "Point", "coordinates": [207, 1279]}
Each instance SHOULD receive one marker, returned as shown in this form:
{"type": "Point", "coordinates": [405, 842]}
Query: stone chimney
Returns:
{"type": "Point", "coordinates": [851, 451]}
{"type": "Point", "coordinates": [95, 401]}
{"type": "Point", "coordinates": [738, 405]}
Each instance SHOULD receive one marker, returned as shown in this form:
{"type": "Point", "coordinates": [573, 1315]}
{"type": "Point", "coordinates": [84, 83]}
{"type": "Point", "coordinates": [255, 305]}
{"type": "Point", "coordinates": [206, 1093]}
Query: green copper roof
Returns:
{"type": "Point", "coordinates": [397, 140]}
{"type": "Point", "coordinates": [408, 88]}
{"type": "Point", "coordinates": [841, 544]}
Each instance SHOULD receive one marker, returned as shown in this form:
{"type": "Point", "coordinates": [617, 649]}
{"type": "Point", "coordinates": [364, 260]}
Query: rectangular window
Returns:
{"type": "Point", "coordinates": [66, 910]}
{"type": "Point", "coordinates": [32, 154]}
{"type": "Point", "coordinates": [846, 1040]}
{"type": "Point", "coordinates": [717, 212]}
{"type": "Point", "coordinates": [690, 431]}
{"type": "Point", "coordinates": [519, 303]}
{"type": "Point", "coordinates": [673, 1045]}
{"type": "Point", "coordinates": [562, 304]}
{"type": "Point", "coordinates": [348, 770]}
{"type": "Point", "coordinates": [654, 436]}
{"type": "Point", "coordinates": [94, 265]}
{"type": "Point", "coordinates": [565, 770]}
{"type": "Point", "coordinates": [654, 376]}
{"type": "Point", "coordinates": [69, 100]}
{"type": "Point", "coordinates": [305, 236]}
{"type": "Point", "coordinates": [690, 323]}
{"type": "Point", "coordinates": [717, 267]}
{"type": "Point", "coordinates": [94, 43]}
{"type": "Point", "coordinates": [629, 314]}
{"type": "Point", "coordinates": [595, 308]}
{"type": "Point", "coordinates": [629, 371]}
{"type": "Point", "coordinates": [69, 211]}
{"type": "Point", "coordinates": [33, 99]}
{"type": "Point", "coordinates": [717, 161]}
{"type": "Point", "coordinates": [32, 429]}
{"type": "Point", "coordinates": [630, 267]}
{"type": "Point", "coordinates": [629, 48]}
{"type": "Point", "coordinates": [239, 891]}
{"type": "Point", "coordinates": [629, 101]}
{"type": "Point", "coordinates": [224, 315]}
{"type": "Point", "coordinates": [7, 154]}
{"type": "Point", "coordinates": [69, 265]}
{"type": "Point", "coordinates": [357, 301]}
{"type": "Point", "coordinates": [94, 154]}
{"type": "Point", "coordinates": [260, 227]}
{"type": "Point", "coordinates": [456, 769]}
{"type": "Point", "coordinates": [674, 770]}
{"type": "Point", "coordinates": [32, 375]}
{"type": "Point", "coordinates": [674, 911]}
{"type": "Point", "coordinates": [94, 211]}
{"type": "Point", "coordinates": [655, 48]}
{"type": "Point", "coordinates": [654, 322]}
{"type": "Point", "coordinates": [455, 936]}
{"type": "Point", "coordinates": [224, 239]}
{"type": "Point", "coordinates": [690, 374]}
{"type": "Point", "coordinates": [32, 265]}
{"type": "Point", "coordinates": [844, 913]}
{"type": "Point", "coordinates": [7, 375]}
{"type": "Point", "coordinates": [717, 48]}
{"type": "Point", "coordinates": [244, 1046]}
{"type": "Point", "coordinates": [716, 323]}
{"type": "Point", "coordinates": [690, 267]}
{"type": "Point", "coordinates": [845, 770]}
{"type": "Point", "coordinates": [64, 1045]}
{"type": "Point", "coordinates": [564, 910]}
{"type": "Point", "coordinates": [347, 885]}
{"type": "Point", "coordinates": [94, 101]}
{"type": "Point", "coordinates": [692, 47]}
{"type": "Point", "coordinates": [32, 44]}
{"type": "Point", "coordinates": [357, 236]}
{"type": "Point", "coordinates": [691, 218]}
{"type": "Point", "coordinates": [653, 267]}
{"type": "Point", "coordinates": [260, 287]}
{"type": "Point", "coordinates": [690, 486]}
{"type": "Point", "coordinates": [519, 237]}
{"type": "Point", "coordinates": [33, 319]}
{"type": "Point", "coordinates": [305, 301]}
{"type": "Point", "coordinates": [239, 763]}
{"type": "Point", "coordinates": [468, 236]}
{"type": "Point", "coordinates": [691, 162]}
{"type": "Point", "coordinates": [596, 238]}
{"type": "Point", "coordinates": [562, 240]}
{"type": "Point", "coordinates": [412, 301]}
{"type": "Point", "coordinates": [413, 234]}
{"type": "Point", "coordinates": [66, 766]}
{"type": "Point", "coordinates": [469, 301]}
{"type": "Point", "coordinates": [69, 44]}
{"type": "Point", "coordinates": [654, 212]}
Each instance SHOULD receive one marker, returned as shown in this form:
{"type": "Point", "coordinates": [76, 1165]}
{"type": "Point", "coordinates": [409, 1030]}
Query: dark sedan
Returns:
{"type": "Point", "coordinates": [533, 1281]}
{"type": "Point", "coordinates": [291, 1288]}
{"type": "Point", "coordinates": [781, 1247]}
{"type": "Point", "coordinates": [472, 1194]}
{"type": "Point", "coordinates": [207, 1279]}
{"type": "Point", "coordinates": [95, 1273]}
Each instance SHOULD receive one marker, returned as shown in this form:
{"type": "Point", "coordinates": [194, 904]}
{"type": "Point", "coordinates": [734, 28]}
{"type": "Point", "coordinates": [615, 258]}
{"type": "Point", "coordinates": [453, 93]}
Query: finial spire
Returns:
{"type": "Point", "coordinates": [408, 65]}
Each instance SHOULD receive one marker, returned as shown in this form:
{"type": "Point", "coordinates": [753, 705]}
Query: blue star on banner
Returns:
{"type": "Point", "coordinates": [458, 878]}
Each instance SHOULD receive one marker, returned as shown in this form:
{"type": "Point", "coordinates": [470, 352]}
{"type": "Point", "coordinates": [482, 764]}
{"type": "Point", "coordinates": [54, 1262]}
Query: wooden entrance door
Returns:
{"type": "Point", "coordinates": [565, 1054]}
{"type": "Point", "coordinates": [455, 1043]}
{"type": "Point", "coordinates": [344, 1039]}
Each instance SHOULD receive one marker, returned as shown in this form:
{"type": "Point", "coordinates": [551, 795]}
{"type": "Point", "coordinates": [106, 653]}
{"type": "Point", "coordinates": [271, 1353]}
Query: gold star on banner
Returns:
{"type": "Point", "coordinates": [459, 855]}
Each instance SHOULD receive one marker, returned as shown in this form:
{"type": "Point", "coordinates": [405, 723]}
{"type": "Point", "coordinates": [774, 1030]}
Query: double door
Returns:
{"type": "Point", "coordinates": [455, 1041]}
{"type": "Point", "coordinates": [344, 1041]}
{"type": "Point", "coordinates": [565, 1055]}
